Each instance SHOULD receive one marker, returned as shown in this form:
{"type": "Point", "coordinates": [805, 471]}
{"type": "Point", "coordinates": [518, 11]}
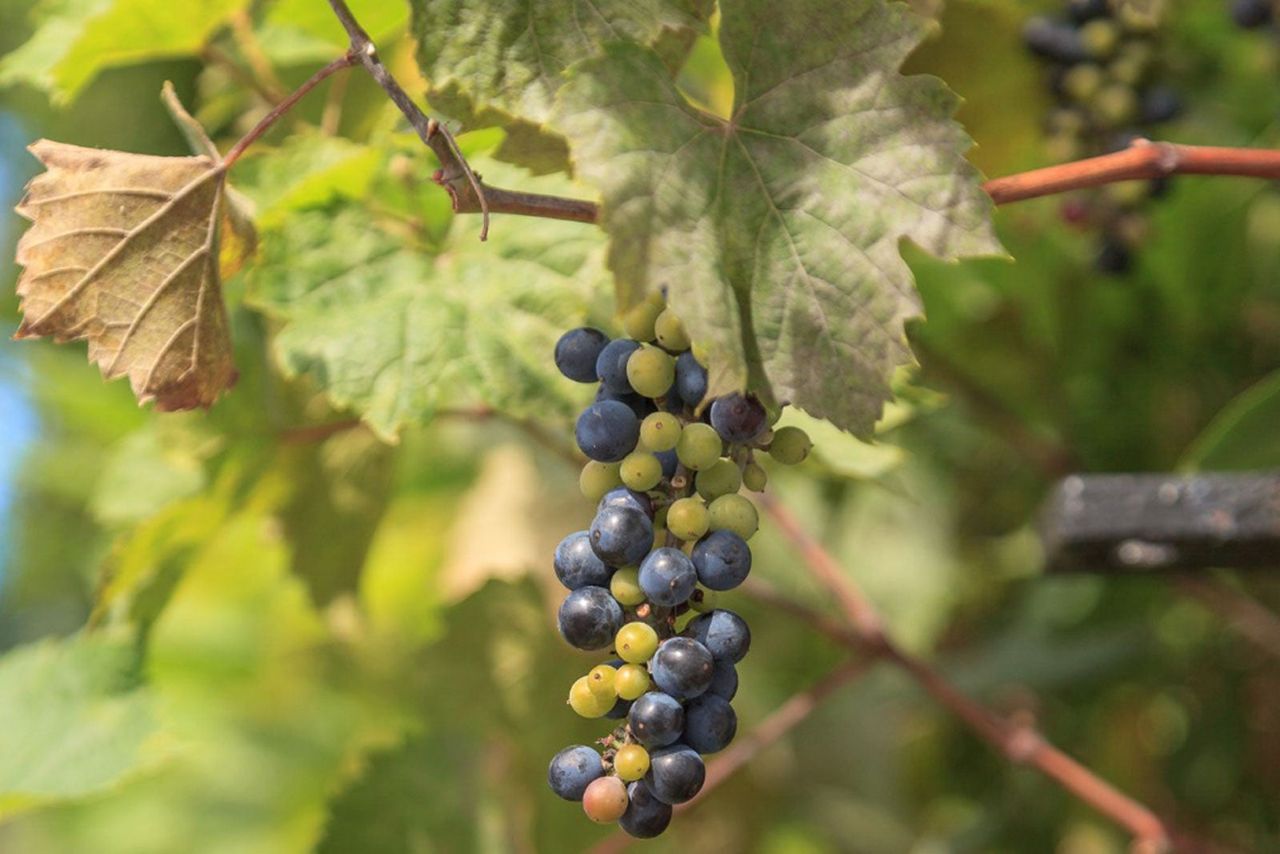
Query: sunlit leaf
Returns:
{"type": "Point", "coordinates": [777, 231]}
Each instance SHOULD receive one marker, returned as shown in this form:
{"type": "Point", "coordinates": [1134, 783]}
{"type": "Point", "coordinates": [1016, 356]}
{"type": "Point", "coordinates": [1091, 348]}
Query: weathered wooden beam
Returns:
{"type": "Point", "coordinates": [1134, 523]}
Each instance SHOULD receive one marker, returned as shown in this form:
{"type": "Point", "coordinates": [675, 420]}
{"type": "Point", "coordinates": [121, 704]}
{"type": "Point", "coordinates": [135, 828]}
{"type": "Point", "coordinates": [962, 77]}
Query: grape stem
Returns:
{"type": "Point", "coordinates": [1020, 742]}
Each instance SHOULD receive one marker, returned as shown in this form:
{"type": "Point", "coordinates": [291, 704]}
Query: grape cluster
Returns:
{"type": "Point", "coordinates": [1104, 61]}
{"type": "Point", "coordinates": [670, 533]}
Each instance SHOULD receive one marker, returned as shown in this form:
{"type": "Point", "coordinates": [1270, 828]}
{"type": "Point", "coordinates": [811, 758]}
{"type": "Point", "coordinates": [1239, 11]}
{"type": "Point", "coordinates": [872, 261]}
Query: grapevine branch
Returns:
{"type": "Point", "coordinates": [1020, 743]}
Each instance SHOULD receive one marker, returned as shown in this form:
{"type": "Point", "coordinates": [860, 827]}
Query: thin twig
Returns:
{"type": "Point", "coordinates": [214, 55]}
{"type": "Point", "coordinates": [264, 125]}
{"type": "Point", "coordinates": [455, 174]}
{"type": "Point", "coordinates": [768, 732]}
{"type": "Point", "coordinates": [251, 48]}
{"type": "Point", "coordinates": [1020, 743]}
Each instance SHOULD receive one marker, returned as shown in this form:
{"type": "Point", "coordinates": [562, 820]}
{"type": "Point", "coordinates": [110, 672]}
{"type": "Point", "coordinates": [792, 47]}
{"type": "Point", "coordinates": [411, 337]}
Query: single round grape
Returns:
{"type": "Point", "coordinates": [660, 432]}
{"type": "Point", "coordinates": [605, 800]}
{"type": "Point", "coordinates": [722, 560]}
{"type": "Point", "coordinates": [641, 471]}
{"type": "Point", "coordinates": [734, 513]}
{"type": "Point", "coordinates": [709, 723]}
{"type": "Point", "coordinates": [722, 632]}
{"type": "Point", "coordinates": [632, 680]}
{"type": "Point", "coordinates": [670, 463]}
{"type": "Point", "coordinates": [597, 478]}
{"type": "Point", "coordinates": [656, 719]}
{"type": "Point", "coordinates": [790, 445]}
{"type": "Point", "coordinates": [623, 497]}
{"type": "Point", "coordinates": [682, 667]}
{"type": "Point", "coordinates": [577, 351]}
{"type": "Point", "coordinates": [625, 587]}
{"type": "Point", "coordinates": [650, 371]}
{"type": "Point", "coordinates": [1081, 82]}
{"type": "Point", "coordinates": [636, 642]}
{"type": "Point", "coordinates": [667, 577]}
{"type": "Point", "coordinates": [721, 478]}
{"type": "Point", "coordinates": [600, 679]}
{"type": "Point", "coordinates": [639, 319]}
{"type": "Point", "coordinates": [1115, 104]}
{"type": "Point", "coordinates": [577, 565]}
{"type": "Point", "coordinates": [724, 681]}
{"type": "Point", "coordinates": [1160, 104]}
{"type": "Point", "coordinates": [738, 418]}
{"type": "Point", "coordinates": [1052, 40]}
{"type": "Point", "coordinates": [754, 477]}
{"type": "Point", "coordinates": [1251, 14]}
{"type": "Point", "coordinates": [646, 816]}
{"type": "Point", "coordinates": [676, 774]}
{"type": "Point", "coordinates": [687, 518]}
{"type": "Point", "coordinates": [691, 379]}
{"type": "Point", "coordinates": [590, 618]}
{"type": "Point", "coordinates": [572, 770]}
{"type": "Point", "coordinates": [699, 446]}
{"type": "Point", "coordinates": [621, 536]}
{"type": "Point", "coordinates": [583, 701]}
{"type": "Point", "coordinates": [611, 365]}
{"type": "Point", "coordinates": [704, 600]}
{"type": "Point", "coordinates": [1100, 37]}
{"type": "Point", "coordinates": [607, 431]}
{"type": "Point", "coordinates": [631, 762]}
{"type": "Point", "coordinates": [670, 332]}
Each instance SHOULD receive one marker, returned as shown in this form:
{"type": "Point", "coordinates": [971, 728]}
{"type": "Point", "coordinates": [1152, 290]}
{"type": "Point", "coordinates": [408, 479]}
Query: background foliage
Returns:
{"type": "Point", "coordinates": [303, 637]}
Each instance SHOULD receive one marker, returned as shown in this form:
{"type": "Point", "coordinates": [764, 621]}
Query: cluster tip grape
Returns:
{"type": "Point", "coordinates": [665, 467]}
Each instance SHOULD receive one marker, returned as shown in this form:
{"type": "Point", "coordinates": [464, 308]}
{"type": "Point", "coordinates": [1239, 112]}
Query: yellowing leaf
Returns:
{"type": "Point", "coordinates": [124, 253]}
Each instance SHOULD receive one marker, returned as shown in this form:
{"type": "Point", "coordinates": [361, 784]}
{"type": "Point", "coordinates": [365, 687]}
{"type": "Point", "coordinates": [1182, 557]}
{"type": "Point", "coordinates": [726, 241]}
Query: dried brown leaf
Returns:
{"type": "Point", "coordinates": [124, 253]}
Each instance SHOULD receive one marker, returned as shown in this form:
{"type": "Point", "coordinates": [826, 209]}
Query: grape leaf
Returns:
{"type": "Point", "coordinates": [393, 333]}
{"type": "Point", "coordinates": [76, 39]}
{"type": "Point", "coordinates": [124, 251]}
{"type": "Point", "coordinates": [777, 230]}
{"type": "Point", "coordinates": [1243, 435]}
{"type": "Point", "coordinates": [499, 63]}
{"type": "Point", "coordinates": [76, 719]}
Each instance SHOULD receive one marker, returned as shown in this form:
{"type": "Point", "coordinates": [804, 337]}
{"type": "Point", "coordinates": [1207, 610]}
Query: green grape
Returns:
{"type": "Point", "coordinates": [636, 642]}
{"type": "Point", "coordinates": [1126, 70]}
{"type": "Point", "coordinates": [659, 431]}
{"type": "Point", "coordinates": [1067, 120]}
{"type": "Point", "coordinates": [1115, 104]}
{"type": "Point", "coordinates": [641, 471]}
{"type": "Point", "coordinates": [639, 319]}
{"type": "Point", "coordinates": [754, 477]}
{"type": "Point", "coordinates": [734, 513]}
{"type": "Point", "coordinates": [631, 762]}
{"type": "Point", "coordinates": [1100, 37]}
{"type": "Point", "coordinates": [598, 478]}
{"type": "Point", "coordinates": [722, 478]}
{"type": "Point", "coordinates": [704, 600]}
{"type": "Point", "coordinates": [586, 703]}
{"type": "Point", "coordinates": [790, 445]}
{"type": "Point", "coordinates": [1082, 81]}
{"type": "Point", "coordinates": [632, 681]}
{"type": "Point", "coordinates": [670, 332]}
{"type": "Point", "coordinates": [699, 446]}
{"type": "Point", "coordinates": [651, 371]}
{"type": "Point", "coordinates": [625, 587]}
{"type": "Point", "coordinates": [600, 680]}
{"type": "Point", "coordinates": [688, 519]}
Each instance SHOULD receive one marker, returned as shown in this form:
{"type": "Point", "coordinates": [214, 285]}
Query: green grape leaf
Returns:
{"type": "Point", "coordinates": [777, 230]}
{"type": "Point", "coordinates": [76, 719]}
{"type": "Point", "coordinates": [1244, 435]}
{"type": "Point", "coordinates": [306, 171]}
{"type": "Point", "coordinates": [76, 39]}
{"type": "Point", "coordinates": [499, 63]}
{"type": "Point", "coordinates": [394, 333]}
